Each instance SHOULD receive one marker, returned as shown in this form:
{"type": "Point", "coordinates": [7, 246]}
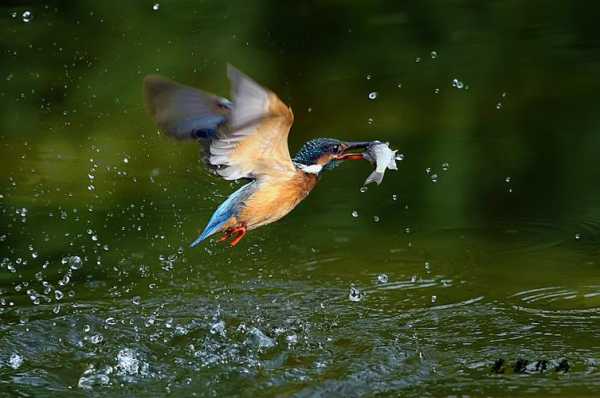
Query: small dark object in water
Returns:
{"type": "Point", "coordinates": [521, 365]}
{"type": "Point", "coordinates": [563, 366]}
{"type": "Point", "coordinates": [498, 366]}
{"type": "Point", "coordinates": [525, 366]}
{"type": "Point", "coordinates": [541, 366]}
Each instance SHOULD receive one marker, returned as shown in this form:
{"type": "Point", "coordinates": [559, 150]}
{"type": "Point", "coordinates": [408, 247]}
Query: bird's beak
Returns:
{"type": "Point", "coordinates": [349, 147]}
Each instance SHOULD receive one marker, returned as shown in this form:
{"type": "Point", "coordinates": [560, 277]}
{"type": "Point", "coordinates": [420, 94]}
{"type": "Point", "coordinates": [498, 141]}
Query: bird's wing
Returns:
{"type": "Point", "coordinates": [184, 112]}
{"type": "Point", "coordinates": [254, 142]}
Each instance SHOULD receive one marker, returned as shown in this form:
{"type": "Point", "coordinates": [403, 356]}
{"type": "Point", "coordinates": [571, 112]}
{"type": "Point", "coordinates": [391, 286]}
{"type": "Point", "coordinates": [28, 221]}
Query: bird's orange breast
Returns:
{"type": "Point", "coordinates": [274, 198]}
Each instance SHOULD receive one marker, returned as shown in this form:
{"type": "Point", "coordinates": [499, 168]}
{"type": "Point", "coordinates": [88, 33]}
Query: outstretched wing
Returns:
{"type": "Point", "coordinates": [184, 112]}
{"type": "Point", "coordinates": [254, 142]}
{"type": "Point", "coordinates": [243, 139]}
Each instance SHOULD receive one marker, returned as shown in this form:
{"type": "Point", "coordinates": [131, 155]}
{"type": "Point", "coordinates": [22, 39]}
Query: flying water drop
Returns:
{"type": "Point", "coordinates": [355, 294]}
{"type": "Point", "coordinates": [27, 16]}
{"type": "Point", "coordinates": [457, 84]}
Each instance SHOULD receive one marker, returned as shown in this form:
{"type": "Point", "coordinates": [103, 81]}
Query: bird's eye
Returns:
{"type": "Point", "coordinates": [335, 148]}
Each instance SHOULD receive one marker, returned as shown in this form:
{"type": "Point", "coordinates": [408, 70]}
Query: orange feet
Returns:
{"type": "Point", "coordinates": [226, 235]}
{"type": "Point", "coordinates": [240, 230]}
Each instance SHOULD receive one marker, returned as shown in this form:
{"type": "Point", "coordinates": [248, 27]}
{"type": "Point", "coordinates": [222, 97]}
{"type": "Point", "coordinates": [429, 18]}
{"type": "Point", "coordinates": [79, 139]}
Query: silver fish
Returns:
{"type": "Point", "coordinates": [383, 157]}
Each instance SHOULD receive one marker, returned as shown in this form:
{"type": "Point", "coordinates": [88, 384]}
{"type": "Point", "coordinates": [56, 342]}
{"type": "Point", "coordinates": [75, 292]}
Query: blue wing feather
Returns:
{"type": "Point", "coordinates": [225, 211]}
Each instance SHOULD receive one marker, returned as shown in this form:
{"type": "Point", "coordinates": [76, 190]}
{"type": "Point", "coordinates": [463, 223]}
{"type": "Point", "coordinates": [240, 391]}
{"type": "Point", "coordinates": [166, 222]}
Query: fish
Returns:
{"type": "Point", "coordinates": [380, 154]}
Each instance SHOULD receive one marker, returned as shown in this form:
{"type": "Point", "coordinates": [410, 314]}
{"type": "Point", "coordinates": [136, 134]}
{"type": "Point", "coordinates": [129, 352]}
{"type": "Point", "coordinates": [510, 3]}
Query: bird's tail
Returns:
{"type": "Point", "coordinates": [375, 176]}
{"type": "Point", "coordinates": [222, 216]}
{"type": "Point", "coordinates": [184, 112]}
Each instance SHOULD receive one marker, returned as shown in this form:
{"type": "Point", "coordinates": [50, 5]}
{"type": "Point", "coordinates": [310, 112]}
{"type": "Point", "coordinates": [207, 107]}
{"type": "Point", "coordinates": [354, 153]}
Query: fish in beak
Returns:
{"type": "Point", "coordinates": [350, 148]}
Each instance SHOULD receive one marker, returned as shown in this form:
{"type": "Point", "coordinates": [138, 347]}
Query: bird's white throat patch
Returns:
{"type": "Point", "coordinates": [312, 169]}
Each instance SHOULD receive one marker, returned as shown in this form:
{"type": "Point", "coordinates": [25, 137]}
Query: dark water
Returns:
{"type": "Point", "coordinates": [483, 246]}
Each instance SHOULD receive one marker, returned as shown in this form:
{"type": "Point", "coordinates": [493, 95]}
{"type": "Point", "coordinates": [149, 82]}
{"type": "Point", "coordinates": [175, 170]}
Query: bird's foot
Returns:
{"type": "Point", "coordinates": [241, 231]}
{"type": "Point", "coordinates": [226, 235]}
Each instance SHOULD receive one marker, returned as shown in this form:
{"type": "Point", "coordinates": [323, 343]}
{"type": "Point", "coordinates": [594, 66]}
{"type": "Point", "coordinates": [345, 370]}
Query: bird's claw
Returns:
{"type": "Point", "coordinates": [239, 230]}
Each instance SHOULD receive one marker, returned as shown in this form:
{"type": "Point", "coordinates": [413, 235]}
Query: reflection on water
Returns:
{"type": "Point", "coordinates": [483, 246]}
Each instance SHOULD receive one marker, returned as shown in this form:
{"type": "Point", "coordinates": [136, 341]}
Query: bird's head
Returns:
{"type": "Point", "coordinates": [322, 154]}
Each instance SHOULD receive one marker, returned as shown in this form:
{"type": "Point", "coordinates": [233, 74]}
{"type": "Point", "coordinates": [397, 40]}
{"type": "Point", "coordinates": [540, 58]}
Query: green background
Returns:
{"type": "Point", "coordinates": [496, 258]}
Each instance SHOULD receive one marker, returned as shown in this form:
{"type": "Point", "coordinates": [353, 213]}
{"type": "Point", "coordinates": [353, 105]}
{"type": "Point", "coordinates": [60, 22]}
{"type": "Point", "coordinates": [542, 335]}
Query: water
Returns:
{"type": "Point", "coordinates": [100, 294]}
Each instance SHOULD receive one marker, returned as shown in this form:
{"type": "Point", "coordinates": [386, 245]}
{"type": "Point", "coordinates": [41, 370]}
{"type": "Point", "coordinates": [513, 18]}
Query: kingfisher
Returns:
{"type": "Point", "coordinates": [245, 139]}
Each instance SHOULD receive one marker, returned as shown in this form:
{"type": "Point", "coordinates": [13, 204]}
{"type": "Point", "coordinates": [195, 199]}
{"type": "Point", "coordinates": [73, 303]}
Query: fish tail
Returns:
{"type": "Point", "coordinates": [375, 176]}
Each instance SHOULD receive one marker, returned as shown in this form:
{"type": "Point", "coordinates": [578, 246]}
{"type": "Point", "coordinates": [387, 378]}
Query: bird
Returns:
{"type": "Point", "coordinates": [245, 138]}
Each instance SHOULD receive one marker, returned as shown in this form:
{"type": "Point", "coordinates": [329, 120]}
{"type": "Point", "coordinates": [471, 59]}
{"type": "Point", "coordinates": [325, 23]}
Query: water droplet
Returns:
{"type": "Point", "coordinates": [434, 177]}
{"type": "Point", "coordinates": [433, 299]}
{"type": "Point", "coordinates": [369, 77]}
{"type": "Point", "coordinates": [363, 189]}
{"type": "Point", "coordinates": [156, 6]}
{"type": "Point", "coordinates": [355, 294]}
{"type": "Point", "coordinates": [97, 339]}
{"type": "Point", "coordinates": [400, 157]}
{"type": "Point", "coordinates": [399, 85]}
{"type": "Point", "coordinates": [370, 121]}
{"type": "Point", "coordinates": [373, 95]}
{"type": "Point", "coordinates": [428, 170]}
{"type": "Point", "coordinates": [136, 300]}
{"type": "Point", "coordinates": [74, 262]}
{"type": "Point", "coordinates": [445, 166]}
{"type": "Point", "coordinates": [292, 339]}
{"type": "Point", "coordinates": [110, 321]}
{"type": "Point", "coordinates": [434, 54]}
{"type": "Point", "coordinates": [218, 328]}
{"type": "Point", "coordinates": [65, 280]}
{"type": "Point", "coordinates": [58, 294]}
{"type": "Point", "coordinates": [577, 236]}
{"type": "Point", "coordinates": [436, 91]}
{"type": "Point", "coordinates": [261, 340]}
{"type": "Point", "coordinates": [394, 197]}
{"type": "Point", "coordinates": [418, 59]}
{"type": "Point", "coordinates": [27, 16]}
{"type": "Point", "coordinates": [150, 321]}
{"type": "Point", "coordinates": [499, 105]}
{"type": "Point", "coordinates": [382, 278]}
{"type": "Point", "coordinates": [125, 160]}
{"type": "Point", "coordinates": [354, 213]}
{"type": "Point", "coordinates": [457, 84]}
{"type": "Point", "coordinates": [128, 362]}
{"type": "Point", "coordinates": [507, 180]}
{"type": "Point", "coordinates": [375, 218]}
{"type": "Point", "coordinates": [15, 360]}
